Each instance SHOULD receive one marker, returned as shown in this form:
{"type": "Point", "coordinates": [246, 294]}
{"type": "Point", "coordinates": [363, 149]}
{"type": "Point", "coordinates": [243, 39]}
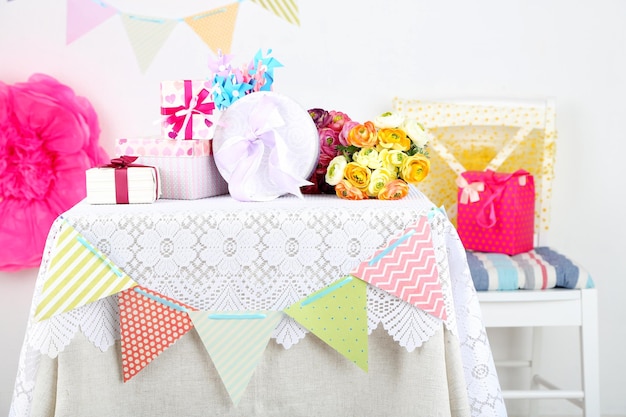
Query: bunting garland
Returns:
{"type": "Point", "coordinates": [151, 322]}
{"type": "Point", "coordinates": [235, 340]}
{"type": "Point", "coordinates": [147, 34]}
{"type": "Point", "coordinates": [78, 274]}
{"type": "Point", "coordinates": [337, 314]}
{"type": "Point", "coordinates": [407, 268]}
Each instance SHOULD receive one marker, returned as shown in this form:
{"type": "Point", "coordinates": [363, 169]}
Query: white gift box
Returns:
{"type": "Point", "coordinates": [186, 167]}
{"type": "Point", "coordinates": [142, 185]}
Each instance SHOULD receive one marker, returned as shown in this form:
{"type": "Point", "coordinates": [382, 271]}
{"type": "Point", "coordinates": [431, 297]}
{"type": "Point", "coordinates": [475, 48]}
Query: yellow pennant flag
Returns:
{"type": "Point", "coordinates": [216, 26]}
{"type": "Point", "coordinates": [285, 9]}
{"type": "Point", "coordinates": [337, 314]}
{"type": "Point", "coordinates": [78, 274]}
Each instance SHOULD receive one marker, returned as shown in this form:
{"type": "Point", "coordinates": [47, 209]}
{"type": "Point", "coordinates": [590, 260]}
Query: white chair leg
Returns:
{"type": "Point", "coordinates": [535, 367]}
{"type": "Point", "coordinates": [590, 353]}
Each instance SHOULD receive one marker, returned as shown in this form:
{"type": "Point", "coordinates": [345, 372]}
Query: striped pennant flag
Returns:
{"type": "Point", "coordinates": [147, 35]}
{"type": "Point", "coordinates": [78, 274]}
{"type": "Point", "coordinates": [407, 268]}
{"type": "Point", "coordinates": [285, 9]}
{"type": "Point", "coordinates": [337, 314]}
{"type": "Point", "coordinates": [235, 341]}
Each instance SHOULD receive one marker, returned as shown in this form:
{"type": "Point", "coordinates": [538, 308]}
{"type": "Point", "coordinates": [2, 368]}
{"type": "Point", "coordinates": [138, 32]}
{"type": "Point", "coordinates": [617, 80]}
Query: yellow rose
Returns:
{"type": "Point", "coordinates": [415, 168]}
{"type": "Point", "coordinates": [394, 139]}
{"type": "Point", "coordinates": [394, 190]}
{"type": "Point", "coordinates": [348, 191]}
{"type": "Point", "coordinates": [380, 177]}
{"type": "Point", "coordinates": [357, 175]}
{"type": "Point", "coordinates": [368, 157]}
{"type": "Point", "coordinates": [386, 160]}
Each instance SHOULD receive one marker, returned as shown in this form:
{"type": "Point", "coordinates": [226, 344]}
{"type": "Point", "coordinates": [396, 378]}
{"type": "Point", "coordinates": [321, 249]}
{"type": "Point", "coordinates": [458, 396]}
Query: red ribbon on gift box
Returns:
{"type": "Point", "coordinates": [121, 166]}
{"type": "Point", "coordinates": [182, 115]}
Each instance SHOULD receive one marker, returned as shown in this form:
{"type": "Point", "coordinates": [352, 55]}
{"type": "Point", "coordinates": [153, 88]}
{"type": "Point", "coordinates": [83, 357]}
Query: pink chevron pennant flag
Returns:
{"type": "Point", "coordinates": [235, 340]}
{"type": "Point", "coordinates": [147, 35]}
{"type": "Point", "coordinates": [84, 15]}
{"type": "Point", "coordinates": [407, 268]}
{"type": "Point", "coordinates": [149, 323]}
{"type": "Point", "coordinates": [78, 274]}
{"type": "Point", "coordinates": [337, 314]}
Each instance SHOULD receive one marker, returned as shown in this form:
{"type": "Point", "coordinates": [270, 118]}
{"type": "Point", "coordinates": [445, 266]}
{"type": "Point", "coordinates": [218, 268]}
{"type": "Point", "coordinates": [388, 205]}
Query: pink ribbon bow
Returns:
{"type": "Point", "coordinates": [242, 155]}
{"type": "Point", "coordinates": [181, 116]}
{"type": "Point", "coordinates": [469, 192]}
{"type": "Point", "coordinates": [496, 183]}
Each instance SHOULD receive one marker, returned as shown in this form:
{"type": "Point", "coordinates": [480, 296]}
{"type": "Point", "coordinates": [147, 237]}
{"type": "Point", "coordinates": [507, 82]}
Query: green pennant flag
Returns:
{"type": "Point", "coordinates": [235, 341]}
{"type": "Point", "coordinates": [147, 35]}
{"type": "Point", "coordinates": [337, 314]}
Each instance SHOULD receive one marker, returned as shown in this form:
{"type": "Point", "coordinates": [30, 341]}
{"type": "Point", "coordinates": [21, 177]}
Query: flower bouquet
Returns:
{"type": "Point", "coordinates": [375, 159]}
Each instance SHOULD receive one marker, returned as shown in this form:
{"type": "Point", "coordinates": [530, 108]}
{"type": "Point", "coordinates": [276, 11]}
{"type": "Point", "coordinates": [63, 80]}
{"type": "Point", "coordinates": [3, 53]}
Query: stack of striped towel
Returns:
{"type": "Point", "coordinates": [538, 269]}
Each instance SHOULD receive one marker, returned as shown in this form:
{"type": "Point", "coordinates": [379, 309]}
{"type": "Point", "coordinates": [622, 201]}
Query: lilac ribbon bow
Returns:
{"type": "Point", "coordinates": [242, 155]}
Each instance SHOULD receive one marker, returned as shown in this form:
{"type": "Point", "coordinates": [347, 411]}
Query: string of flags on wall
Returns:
{"type": "Point", "coordinates": [79, 273]}
{"type": "Point", "coordinates": [147, 34]}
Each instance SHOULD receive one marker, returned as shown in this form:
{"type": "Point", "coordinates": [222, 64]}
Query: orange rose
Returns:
{"type": "Point", "coordinates": [348, 191]}
{"type": "Point", "coordinates": [396, 139]}
{"type": "Point", "coordinates": [362, 136]}
{"type": "Point", "coordinates": [358, 175]}
{"type": "Point", "coordinates": [415, 168]}
{"type": "Point", "coordinates": [394, 190]}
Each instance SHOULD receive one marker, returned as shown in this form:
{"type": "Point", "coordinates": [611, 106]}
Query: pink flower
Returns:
{"type": "Point", "coordinates": [345, 130]}
{"type": "Point", "coordinates": [48, 138]}
{"type": "Point", "coordinates": [329, 139]}
{"type": "Point", "coordinates": [337, 120]}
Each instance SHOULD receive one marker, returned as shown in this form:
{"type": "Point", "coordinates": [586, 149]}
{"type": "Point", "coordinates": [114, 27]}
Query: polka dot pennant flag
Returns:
{"type": "Point", "coordinates": [407, 268]}
{"type": "Point", "coordinates": [215, 27]}
{"type": "Point", "coordinates": [235, 341]}
{"type": "Point", "coordinates": [337, 314]}
{"type": "Point", "coordinates": [149, 324]}
{"type": "Point", "coordinates": [78, 274]}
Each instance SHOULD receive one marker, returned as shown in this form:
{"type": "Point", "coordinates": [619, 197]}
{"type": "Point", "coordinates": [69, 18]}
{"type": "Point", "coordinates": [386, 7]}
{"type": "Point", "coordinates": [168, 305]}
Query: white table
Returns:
{"type": "Point", "coordinates": [220, 254]}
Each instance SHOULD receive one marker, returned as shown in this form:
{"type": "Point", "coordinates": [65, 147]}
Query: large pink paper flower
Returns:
{"type": "Point", "coordinates": [48, 138]}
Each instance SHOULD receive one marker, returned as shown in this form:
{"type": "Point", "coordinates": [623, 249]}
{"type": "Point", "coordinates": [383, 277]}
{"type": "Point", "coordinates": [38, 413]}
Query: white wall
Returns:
{"type": "Point", "coordinates": [355, 56]}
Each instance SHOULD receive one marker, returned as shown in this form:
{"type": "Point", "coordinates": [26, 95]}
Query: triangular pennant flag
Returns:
{"type": "Point", "coordinates": [285, 9]}
{"type": "Point", "coordinates": [84, 15]}
{"type": "Point", "coordinates": [216, 26]}
{"type": "Point", "coordinates": [147, 35]}
{"type": "Point", "coordinates": [235, 341]}
{"type": "Point", "coordinates": [78, 274]}
{"type": "Point", "coordinates": [407, 268]}
{"type": "Point", "coordinates": [337, 314]}
{"type": "Point", "coordinates": [149, 324]}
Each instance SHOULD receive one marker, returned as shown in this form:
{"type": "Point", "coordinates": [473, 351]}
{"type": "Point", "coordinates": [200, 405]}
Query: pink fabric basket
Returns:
{"type": "Point", "coordinates": [496, 211]}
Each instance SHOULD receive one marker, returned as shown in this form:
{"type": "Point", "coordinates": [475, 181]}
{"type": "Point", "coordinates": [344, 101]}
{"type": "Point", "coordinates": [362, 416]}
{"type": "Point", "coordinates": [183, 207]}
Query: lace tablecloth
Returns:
{"type": "Point", "coordinates": [220, 254]}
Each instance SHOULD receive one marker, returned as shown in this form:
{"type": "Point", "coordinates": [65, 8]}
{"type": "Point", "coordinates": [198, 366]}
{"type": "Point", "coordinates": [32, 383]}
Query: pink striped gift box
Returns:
{"type": "Point", "coordinates": [186, 167]}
